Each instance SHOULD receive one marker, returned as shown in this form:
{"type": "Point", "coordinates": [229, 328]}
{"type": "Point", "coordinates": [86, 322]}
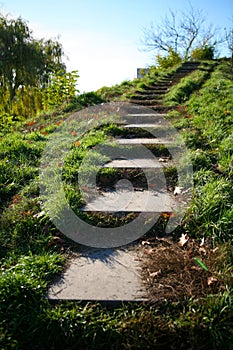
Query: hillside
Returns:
{"type": "Point", "coordinates": [195, 261]}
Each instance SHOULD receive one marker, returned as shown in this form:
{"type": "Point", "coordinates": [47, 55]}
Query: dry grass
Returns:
{"type": "Point", "coordinates": [172, 271]}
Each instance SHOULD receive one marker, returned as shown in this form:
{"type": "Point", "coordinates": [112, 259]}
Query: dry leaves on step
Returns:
{"type": "Point", "coordinates": [211, 280]}
{"type": "Point", "coordinates": [178, 190]}
{"type": "Point", "coordinates": [183, 239]}
{"type": "Point", "coordinates": [56, 241]}
{"type": "Point", "coordinates": [155, 274]}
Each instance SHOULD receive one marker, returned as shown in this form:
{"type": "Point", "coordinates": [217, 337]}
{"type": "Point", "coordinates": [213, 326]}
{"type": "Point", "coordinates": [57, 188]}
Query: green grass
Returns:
{"type": "Point", "coordinates": [127, 89]}
{"type": "Point", "coordinates": [181, 92]}
{"type": "Point", "coordinates": [29, 260]}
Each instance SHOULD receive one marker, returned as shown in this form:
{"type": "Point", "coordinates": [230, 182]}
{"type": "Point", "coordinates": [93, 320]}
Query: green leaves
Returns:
{"type": "Point", "coordinates": [26, 66]}
{"type": "Point", "coordinates": [61, 90]}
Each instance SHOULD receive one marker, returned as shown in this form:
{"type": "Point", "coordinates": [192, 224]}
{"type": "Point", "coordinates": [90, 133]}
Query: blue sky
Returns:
{"type": "Point", "coordinates": [102, 38]}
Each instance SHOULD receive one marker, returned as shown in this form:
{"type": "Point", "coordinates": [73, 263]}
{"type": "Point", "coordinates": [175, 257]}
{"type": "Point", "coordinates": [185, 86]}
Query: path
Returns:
{"type": "Point", "coordinates": [114, 274]}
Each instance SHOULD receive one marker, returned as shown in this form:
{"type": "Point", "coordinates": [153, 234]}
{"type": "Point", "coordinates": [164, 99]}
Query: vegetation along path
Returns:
{"type": "Point", "coordinates": [171, 289]}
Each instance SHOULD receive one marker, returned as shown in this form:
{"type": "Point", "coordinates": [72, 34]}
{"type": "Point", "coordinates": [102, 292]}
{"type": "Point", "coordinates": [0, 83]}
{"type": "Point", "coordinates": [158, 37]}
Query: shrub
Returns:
{"type": "Point", "coordinates": [172, 59]}
{"type": "Point", "coordinates": [203, 53]}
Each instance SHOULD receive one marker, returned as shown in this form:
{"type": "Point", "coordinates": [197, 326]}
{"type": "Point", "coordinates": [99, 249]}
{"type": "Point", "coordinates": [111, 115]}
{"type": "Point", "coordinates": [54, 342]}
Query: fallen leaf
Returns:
{"type": "Point", "coordinates": [155, 274]}
{"type": "Point", "coordinates": [183, 239]}
{"type": "Point", "coordinates": [74, 133]}
{"type": "Point", "coordinates": [30, 123]}
{"type": "Point", "coordinates": [56, 241]}
{"type": "Point", "coordinates": [16, 199]}
{"type": "Point", "coordinates": [202, 241]}
{"type": "Point", "coordinates": [211, 280]}
{"type": "Point", "coordinates": [202, 250]}
{"type": "Point", "coordinates": [164, 159]}
{"type": "Point", "coordinates": [145, 243]}
{"type": "Point", "coordinates": [149, 251]}
{"type": "Point", "coordinates": [77, 143]}
{"type": "Point", "coordinates": [167, 215]}
{"type": "Point", "coordinates": [178, 190]}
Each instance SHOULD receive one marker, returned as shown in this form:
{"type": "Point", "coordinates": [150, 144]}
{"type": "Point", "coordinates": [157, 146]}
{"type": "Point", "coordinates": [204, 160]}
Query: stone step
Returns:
{"type": "Point", "coordinates": [145, 141]}
{"type": "Point", "coordinates": [151, 102]}
{"type": "Point", "coordinates": [146, 96]}
{"type": "Point", "coordinates": [132, 201]}
{"type": "Point", "coordinates": [162, 108]}
{"type": "Point", "coordinates": [163, 84]}
{"type": "Point", "coordinates": [137, 118]}
{"type": "Point", "coordinates": [134, 163]}
{"type": "Point", "coordinates": [106, 275]}
{"type": "Point", "coordinates": [144, 125]}
{"type": "Point", "coordinates": [163, 90]}
{"type": "Point", "coordinates": [148, 130]}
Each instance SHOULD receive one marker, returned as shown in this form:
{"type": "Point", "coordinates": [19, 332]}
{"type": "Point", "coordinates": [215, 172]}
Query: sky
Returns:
{"type": "Point", "coordinates": [102, 38]}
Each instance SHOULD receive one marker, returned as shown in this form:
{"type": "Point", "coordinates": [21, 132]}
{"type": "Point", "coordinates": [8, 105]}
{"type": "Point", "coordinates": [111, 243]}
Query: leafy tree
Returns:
{"type": "Point", "coordinates": [32, 74]}
{"type": "Point", "coordinates": [181, 32]}
{"type": "Point", "coordinates": [61, 89]}
{"type": "Point", "coordinates": [25, 61]}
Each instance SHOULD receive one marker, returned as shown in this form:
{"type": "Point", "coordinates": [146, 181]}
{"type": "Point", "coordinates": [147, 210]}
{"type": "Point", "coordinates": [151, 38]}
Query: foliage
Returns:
{"type": "Point", "coordinates": [61, 90]}
{"type": "Point", "coordinates": [32, 74]}
{"type": "Point", "coordinates": [172, 59]}
{"type": "Point", "coordinates": [114, 92]}
{"type": "Point", "coordinates": [30, 259]}
{"type": "Point", "coordinates": [203, 53]}
{"type": "Point", "coordinates": [25, 61]}
{"type": "Point", "coordinates": [181, 92]}
{"type": "Point", "coordinates": [207, 130]}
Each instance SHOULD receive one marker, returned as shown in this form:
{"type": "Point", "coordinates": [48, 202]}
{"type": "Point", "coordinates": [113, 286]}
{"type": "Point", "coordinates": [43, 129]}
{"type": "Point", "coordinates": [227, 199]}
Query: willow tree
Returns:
{"type": "Point", "coordinates": [25, 61]}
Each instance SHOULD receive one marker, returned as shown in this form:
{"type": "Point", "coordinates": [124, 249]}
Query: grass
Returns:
{"type": "Point", "coordinates": [127, 89]}
{"type": "Point", "coordinates": [192, 315]}
{"type": "Point", "coordinates": [181, 92]}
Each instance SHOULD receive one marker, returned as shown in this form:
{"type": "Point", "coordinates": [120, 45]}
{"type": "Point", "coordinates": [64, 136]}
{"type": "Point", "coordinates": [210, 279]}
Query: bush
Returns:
{"type": "Point", "coordinates": [203, 53]}
{"type": "Point", "coordinates": [172, 59]}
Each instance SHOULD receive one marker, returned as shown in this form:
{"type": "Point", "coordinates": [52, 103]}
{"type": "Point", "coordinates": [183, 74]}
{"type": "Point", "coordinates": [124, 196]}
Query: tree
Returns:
{"type": "Point", "coordinates": [229, 40]}
{"type": "Point", "coordinates": [25, 61]}
{"type": "Point", "coordinates": [181, 32]}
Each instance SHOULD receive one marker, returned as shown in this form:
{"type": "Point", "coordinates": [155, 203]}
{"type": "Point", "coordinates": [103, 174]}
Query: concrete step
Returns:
{"type": "Point", "coordinates": [132, 201]}
{"type": "Point", "coordinates": [135, 163]}
{"type": "Point", "coordinates": [151, 102]}
{"type": "Point", "coordinates": [142, 97]}
{"type": "Point", "coordinates": [144, 141]}
{"type": "Point", "coordinates": [161, 83]}
{"type": "Point", "coordinates": [151, 118]}
{"type": "Point", "coordinates": [106, 275]}
{"type": "Point", "coordinates": [148, 130]}
{"type": "Point", "coordinates": [162, 109]}
{"type": "Point", "coordinates": [152, 92]}
{"type": "Point", "coordinates": [144, 125]}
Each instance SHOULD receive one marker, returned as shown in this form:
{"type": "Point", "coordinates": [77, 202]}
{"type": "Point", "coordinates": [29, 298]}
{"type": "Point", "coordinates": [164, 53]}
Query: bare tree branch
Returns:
{"type": "Point", "coordinates": [180, 31]}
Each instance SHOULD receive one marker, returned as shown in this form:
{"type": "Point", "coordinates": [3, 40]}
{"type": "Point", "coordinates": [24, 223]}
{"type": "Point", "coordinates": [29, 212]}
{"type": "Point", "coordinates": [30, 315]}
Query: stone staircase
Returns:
{"type": "Point", "coordinates": [152, 95]}
{"type": "Point", "coordinates": [113, 274]}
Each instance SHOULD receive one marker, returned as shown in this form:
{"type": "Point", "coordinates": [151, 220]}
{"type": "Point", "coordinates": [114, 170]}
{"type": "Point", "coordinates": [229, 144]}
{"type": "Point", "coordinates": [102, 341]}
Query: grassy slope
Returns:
{"type": "Point", "coordinates": [30, 258]}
